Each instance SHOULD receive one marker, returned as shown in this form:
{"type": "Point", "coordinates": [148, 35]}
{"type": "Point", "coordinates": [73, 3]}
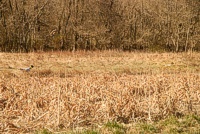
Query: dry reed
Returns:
{"type": "Point", "coordinates": [93, 88]}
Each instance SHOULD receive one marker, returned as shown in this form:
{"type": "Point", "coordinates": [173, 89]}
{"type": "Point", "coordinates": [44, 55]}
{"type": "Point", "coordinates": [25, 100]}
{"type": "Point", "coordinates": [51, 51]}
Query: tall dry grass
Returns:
{"type": "Point", "coordinates": [70, 90]}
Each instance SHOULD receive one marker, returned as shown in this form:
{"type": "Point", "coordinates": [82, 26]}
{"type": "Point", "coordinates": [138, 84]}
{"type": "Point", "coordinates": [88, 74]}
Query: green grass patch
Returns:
{"type": "Point", "coordinates": [85, 132]}
{"type": "Point", "coordinates": [174, 125]}
{"type": "Point", "coordinates": [145, 128]}
{"type": "Point", "coordinates": [115, 128]}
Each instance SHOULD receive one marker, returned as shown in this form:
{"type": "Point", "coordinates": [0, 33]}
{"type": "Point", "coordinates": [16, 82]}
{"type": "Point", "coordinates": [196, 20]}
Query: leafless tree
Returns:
{"type": "Point", "coordinates": [31, 25]}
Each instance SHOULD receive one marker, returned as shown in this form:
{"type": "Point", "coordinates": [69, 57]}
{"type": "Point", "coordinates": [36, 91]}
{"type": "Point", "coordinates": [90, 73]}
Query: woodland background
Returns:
{"type": "Point", "coordinates": [45, 25]}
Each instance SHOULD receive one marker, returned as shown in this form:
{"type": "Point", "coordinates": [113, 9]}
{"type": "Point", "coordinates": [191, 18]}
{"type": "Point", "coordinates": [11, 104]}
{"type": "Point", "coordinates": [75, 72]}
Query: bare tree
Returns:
{"type": "Point", "coordinates": [31, 25]}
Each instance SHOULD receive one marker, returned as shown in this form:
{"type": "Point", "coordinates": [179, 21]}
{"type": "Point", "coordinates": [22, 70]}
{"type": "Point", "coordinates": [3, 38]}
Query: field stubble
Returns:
{"type": "Point", "coordinates": [73, 90]}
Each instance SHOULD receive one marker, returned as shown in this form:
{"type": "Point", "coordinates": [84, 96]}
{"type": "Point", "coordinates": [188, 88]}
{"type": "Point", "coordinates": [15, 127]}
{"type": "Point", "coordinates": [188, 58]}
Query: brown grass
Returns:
{"type": "Point", "coordinates": [73, 90]}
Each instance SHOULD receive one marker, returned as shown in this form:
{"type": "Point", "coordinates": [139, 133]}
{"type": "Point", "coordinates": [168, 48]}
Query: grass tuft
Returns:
{"type": "Point", "coordinates": [115, 127]}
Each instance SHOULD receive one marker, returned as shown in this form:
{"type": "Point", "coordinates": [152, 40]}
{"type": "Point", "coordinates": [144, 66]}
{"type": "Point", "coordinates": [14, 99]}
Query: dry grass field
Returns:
{"type": "Point", "coordinates": [100, 92]}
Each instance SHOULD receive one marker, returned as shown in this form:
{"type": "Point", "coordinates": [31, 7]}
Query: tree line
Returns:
{"type": "Point", "coordinates": [44, 25]}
